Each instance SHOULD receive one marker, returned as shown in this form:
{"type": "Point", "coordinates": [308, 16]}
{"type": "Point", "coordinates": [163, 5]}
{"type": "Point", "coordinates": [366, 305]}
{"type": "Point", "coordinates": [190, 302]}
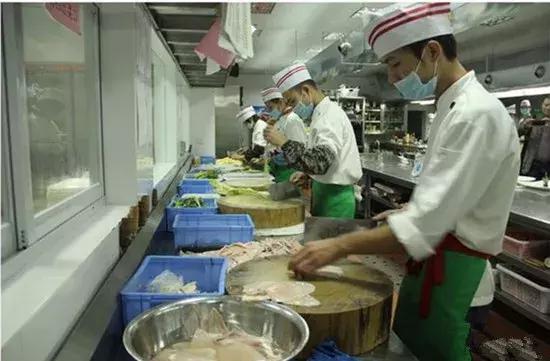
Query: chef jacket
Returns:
{"type": "Point", "coordinates": [258, 134]}
{"type": "Point", "coordinates": [331, 127]}
{"type": "Point", "coordinates": [292, 126]}
{"type": "Point", "coordinates": [468, 179]}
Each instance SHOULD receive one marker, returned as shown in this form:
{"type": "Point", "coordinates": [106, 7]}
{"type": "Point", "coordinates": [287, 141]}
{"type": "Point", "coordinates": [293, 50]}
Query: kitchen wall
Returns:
{"type": "Point", "coordinates": [252, 85]}
{"type": "Point", "coordinates": [203, 123]}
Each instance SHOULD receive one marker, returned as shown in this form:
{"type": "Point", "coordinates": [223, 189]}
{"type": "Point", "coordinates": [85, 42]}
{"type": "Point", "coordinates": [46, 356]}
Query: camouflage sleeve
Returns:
{"type": "Point", "coordinates": [316, 160]}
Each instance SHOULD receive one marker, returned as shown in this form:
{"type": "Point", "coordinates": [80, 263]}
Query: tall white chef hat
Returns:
{"type": "Point", "coordinates": [407, 24]}
{"type": "Point", "coordinates": [291, 76]}
{"type": "Point", "coordinates": [271, 93]}
{"type": "Point", "coordinates": [245, 114]}
{"type": "Point", "coordinates": [511, 109]}
{"type": "Point", "coordinates": [525, 103]}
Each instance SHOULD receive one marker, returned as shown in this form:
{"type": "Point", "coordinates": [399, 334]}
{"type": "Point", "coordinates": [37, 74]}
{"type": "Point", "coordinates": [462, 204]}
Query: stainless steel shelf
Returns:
{"type": "Point", "coordinates": [523, 308]}
{"type": "Point", "coordinates": [538, 273]}
{"type": "Point", "coordinates": [381, 200]}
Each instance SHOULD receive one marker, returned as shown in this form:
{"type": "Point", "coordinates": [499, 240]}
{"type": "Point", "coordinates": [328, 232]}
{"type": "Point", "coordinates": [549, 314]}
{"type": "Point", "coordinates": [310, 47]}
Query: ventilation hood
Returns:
{"type": "Point", "coordinates": [486, 33]}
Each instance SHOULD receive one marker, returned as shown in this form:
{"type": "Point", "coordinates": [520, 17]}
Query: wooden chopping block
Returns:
{"type": "Point", "coordinates": [357, 317]}
{"type": "Point", "coordinates": [265, 212]}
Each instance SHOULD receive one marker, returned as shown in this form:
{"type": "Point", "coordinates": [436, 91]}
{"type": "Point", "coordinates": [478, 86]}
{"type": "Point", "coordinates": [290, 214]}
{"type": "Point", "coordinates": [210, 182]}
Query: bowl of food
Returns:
{"type": "Point", "coordinates": [216, 329]}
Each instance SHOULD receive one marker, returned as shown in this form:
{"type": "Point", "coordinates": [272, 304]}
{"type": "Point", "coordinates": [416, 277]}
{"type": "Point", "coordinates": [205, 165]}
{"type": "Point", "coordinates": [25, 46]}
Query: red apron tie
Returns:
{"type": "Point", "coordinates": [435, 266]}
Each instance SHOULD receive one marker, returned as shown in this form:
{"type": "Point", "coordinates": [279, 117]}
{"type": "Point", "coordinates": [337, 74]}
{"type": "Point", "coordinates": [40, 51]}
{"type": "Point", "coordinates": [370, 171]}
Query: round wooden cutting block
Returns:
{"type": "Point", "coordinates": [265, 212]}
{"type": "Point", "coordinates": [357, 316]}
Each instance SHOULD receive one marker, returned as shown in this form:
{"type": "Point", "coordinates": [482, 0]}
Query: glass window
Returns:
{"type": "Point", "coordinates": [62, 109]}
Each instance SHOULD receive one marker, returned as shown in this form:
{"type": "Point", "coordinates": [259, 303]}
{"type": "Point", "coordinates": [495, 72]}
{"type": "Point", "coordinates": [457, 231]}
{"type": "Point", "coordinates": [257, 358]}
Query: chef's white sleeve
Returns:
{"type": "Point", "coordinates": [452, 182]}
{"type": "Point", "coordinates": [295, 130]}
{"type": "Point", "coordinates": [258, 133]}
{"type": "Point", "coordinates": [328, 137]}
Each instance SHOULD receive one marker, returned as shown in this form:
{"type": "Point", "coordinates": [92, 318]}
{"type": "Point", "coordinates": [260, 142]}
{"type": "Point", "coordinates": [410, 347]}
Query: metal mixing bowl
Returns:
{"type": "Point", "coordinates": [167, 324]}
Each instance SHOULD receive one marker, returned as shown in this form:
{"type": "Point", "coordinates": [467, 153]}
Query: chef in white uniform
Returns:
{"type": "Point", "coordinates": [249, 117]}
{"type": "Point", "coordinates": [289, 124]}
{"type": "Point", "coordinates": [458, 212]}
{"type": "Point", "coordinates": [330, 157]}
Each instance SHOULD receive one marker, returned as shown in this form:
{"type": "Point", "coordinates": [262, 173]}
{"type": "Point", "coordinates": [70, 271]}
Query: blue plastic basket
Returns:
{"type": "Point", "coordinates": [202, 188]}
{"type": "Point", "coordinates": [212, 231]}
{"type": "Point", "coordinates": [210, 207]}
{"type": "Point", "coordinates": [208, 272]}
{"type": "Point", "coordinates": [194, 181]}
{"type": "Point", "coordinates": [208, 159]}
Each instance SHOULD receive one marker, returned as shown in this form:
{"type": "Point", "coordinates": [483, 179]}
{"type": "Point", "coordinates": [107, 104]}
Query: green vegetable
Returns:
{"type": "Point", "coordinates": [208, 174]}
{"type": "Point", "coordinates": [190, 202]}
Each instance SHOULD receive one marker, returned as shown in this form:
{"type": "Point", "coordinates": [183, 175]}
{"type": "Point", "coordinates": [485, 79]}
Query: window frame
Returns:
{"type": "Point", "coordinates": [31, 226]}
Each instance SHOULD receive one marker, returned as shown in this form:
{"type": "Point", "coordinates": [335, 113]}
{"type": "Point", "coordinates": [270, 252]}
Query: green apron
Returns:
{"type": "Point", "coordinates": [281, 173]}
{"type": "Point", "coordinates": [443, 334]}
{"type": "Point", "coordinates": [332, 200]}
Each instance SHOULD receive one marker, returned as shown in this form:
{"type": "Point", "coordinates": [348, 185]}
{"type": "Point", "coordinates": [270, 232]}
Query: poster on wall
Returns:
{"type": "Point", "coordinates": [67, 14]}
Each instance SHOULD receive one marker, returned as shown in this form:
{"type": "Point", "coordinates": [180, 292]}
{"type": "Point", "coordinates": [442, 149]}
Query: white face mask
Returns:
{"type": "Point", "coordinates": [411, 86]}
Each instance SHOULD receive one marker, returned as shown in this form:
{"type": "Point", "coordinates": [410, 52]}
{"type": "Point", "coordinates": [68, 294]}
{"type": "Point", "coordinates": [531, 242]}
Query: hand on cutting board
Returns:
{"type": "Point", "coordinates": [298, 178]}
{"type": "Point", "coordinates": [384, 215]}
{"type": "Point", "coordinates": [315, 255]}
{"type": "Point", "coordinates": [274, 137]}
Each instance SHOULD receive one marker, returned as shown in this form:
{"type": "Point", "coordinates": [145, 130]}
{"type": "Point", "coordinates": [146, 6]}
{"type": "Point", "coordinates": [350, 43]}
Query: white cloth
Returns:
{"type": "Point", "coordinates": [292, 126]}
{"type": "Point", "coordinates": [236, 30]}
{"type": "Point", "coordinates": [258, 134]}
{"type": "Point", "coordinates": [270, 94]}
{"type": "Point", "coordinates": [291, 76]}
{"type": "Point", "coordinates": [468, 179]}
{"type": "Point", "coordinates": [331, 127]}
{"type": "Point", "coordinates": [245, 114]}
{"type": "Point", "coordinates": [407, 24]}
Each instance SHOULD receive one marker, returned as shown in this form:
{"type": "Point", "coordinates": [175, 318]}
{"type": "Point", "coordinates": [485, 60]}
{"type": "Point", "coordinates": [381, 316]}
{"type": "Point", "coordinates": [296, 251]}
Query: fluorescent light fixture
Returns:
{"type": "Point", "coordinates": [333, 36]}
{"type": "Point", "coordinates": [523, 92]}
{"type": "Point", "coordinates": [424, 102]}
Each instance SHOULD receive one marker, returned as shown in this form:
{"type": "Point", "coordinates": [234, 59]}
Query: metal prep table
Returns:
{"type": "Point", "coordinates": [97, 335]}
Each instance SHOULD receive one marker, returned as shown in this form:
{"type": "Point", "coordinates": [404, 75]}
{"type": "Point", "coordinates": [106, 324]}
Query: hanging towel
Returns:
{"type": "Point", "coordinates": [208, 47]}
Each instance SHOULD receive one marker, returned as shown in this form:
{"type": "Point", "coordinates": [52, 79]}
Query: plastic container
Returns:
{"type": "Point", "coordinates": [524, 289]}
{"type": "Point", "coordinates": [208, 272]}
{"type": "Point", "coordinates": [201, 188]}
{"type": "Point", "coordinates": [525, 244]}
{"type": "Point", "coordinates": [208, 159]}
{"type": "Point", "coordinates": [212, 231]}
{"type": "Point", "coordinates": [210, 207]}
{"type": "Point", "coordinates": [194, 181]}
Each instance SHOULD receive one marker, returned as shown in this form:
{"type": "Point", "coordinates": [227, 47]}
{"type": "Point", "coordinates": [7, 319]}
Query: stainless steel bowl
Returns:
{"type": "Point", "coordinates": [167, 324]}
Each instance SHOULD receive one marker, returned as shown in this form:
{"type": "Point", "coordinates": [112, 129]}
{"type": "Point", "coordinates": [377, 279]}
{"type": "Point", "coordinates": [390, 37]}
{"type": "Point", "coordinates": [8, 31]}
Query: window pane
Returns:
{"type": "Point", "coordinates": [62, 104]}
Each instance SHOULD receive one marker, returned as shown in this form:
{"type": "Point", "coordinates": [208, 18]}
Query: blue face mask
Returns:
{"type": "Point", "coordinates": [411, 86]}
{"type": "Point", "coordinates": [304, 111]}
{"type": "Point", "coordinates": [275, 114]}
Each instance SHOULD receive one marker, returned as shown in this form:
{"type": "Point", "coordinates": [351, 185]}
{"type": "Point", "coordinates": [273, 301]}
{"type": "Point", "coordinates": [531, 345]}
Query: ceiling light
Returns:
{"type": "Point", "coordinates": [333, 36]}
{"type": "Point", "coordinates": [522, 92]}
{"type": "Point", "coordinates": [496, 20]}
{"type": "Point", "coordinates": [424, 102]}
{"type": "Point", "coordinates": [314, 50]}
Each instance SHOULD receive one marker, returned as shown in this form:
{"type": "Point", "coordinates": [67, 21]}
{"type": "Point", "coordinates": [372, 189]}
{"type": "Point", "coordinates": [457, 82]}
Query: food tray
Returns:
{"type": "Point", "coordinates": [210, 207]}
{"type": "Point", "coordinates": [208, 272]}
{"type": "Point", "coordinates": [212, 231]}
{"type": "Point", "coordinates": [524, 289]}
{"type": "Point", "coordinates": [526, 248]}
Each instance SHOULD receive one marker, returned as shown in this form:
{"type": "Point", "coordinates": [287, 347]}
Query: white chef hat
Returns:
{"type": "Point", "coordinates": [525, 103]}
{"type": "Point", "coordinates": [511, 109]}
{"type": "Point", "coordinates": [406, 25]}
{"type": "Point", "coordinates": [245, 114]}
{"type": "Point", "coordinates": [291, 76]}
{"type": "Point", "coordinates": [271, 93]}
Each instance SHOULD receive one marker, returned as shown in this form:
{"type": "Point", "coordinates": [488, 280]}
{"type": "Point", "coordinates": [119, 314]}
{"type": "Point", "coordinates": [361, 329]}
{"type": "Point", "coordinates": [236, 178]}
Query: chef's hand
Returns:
{"type": "Point", "coordinates": [315, 255]}
{"type": "Point", "coordinates": [384, 215]}
{"type": "Point", "coordinates": [274, 137]}
{"type": "Point", "coordinates": [298, 178]}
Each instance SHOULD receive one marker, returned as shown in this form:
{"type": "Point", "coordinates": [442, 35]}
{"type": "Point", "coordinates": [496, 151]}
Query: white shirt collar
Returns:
{"type": "Point", "coordinates": [445, 101]}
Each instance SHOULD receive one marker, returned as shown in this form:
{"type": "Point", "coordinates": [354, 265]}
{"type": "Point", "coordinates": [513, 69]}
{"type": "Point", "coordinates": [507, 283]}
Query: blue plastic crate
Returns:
{"type": "Point", "coordinates": [208, 272]}
{"type": "Point", "coordinates": [212, 231]}
{"type": "Point", "coordinates": [184, 188]}
{"type": "Point", "coordinates": [208, 159]}
{"type": "Point", "coordinates": [210, 207]}
{"type": "Point", "coordinates": [194, 181]}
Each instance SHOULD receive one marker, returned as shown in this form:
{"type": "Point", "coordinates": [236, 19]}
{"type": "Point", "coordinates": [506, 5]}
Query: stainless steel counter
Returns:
{"type": "Point", "coordinates": [530, 208]}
